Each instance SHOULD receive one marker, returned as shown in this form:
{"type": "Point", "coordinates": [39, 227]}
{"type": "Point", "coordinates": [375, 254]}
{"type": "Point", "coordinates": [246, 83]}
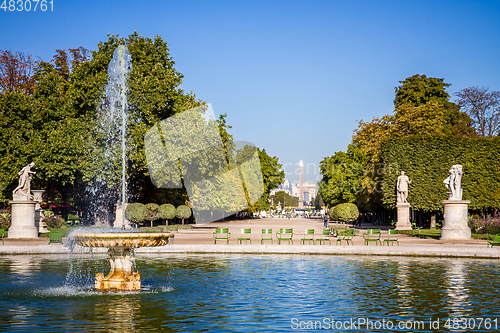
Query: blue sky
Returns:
{"type": "Point", "coordinates": [293, 77]}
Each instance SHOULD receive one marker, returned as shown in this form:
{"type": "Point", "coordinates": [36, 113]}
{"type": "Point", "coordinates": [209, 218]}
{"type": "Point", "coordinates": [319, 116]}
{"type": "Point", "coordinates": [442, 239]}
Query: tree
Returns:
{"type": "Point", "coordinates": [183, 212]}
{"type": "Point", "coordinates": [272, 177]}
{"type": "Point", "coordinates": [166, 212]}
{"type": "Point", "coordinates": [285, 199]}
{"type": "Point", "coordinates": [483, 107]}
{"type": "Point", "coordinates": [318, 202]}
{"type": "Point", "coordinates": [152, 212]}
{"type": "Point", "coordinates": [419, 89]}
{"type": "Point", "coordinates": [342, 176]}
{"type": "Point", "coordinates": [422, 107]}
{"type": "Point", "coordinates": [16, 72]}
{"type": "Point", "coordinates": [136, 212]}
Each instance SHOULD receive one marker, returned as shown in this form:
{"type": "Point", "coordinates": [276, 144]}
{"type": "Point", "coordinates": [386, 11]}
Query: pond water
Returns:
{"type": "Point", "coordinates": [253, 293]}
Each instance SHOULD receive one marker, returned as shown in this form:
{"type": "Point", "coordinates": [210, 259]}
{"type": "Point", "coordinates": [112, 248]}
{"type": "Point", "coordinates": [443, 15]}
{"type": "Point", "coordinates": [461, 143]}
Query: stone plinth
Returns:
{"type": "Point", "coordinates": [455, 220]}
{"type": "Point", "coordinates": [119, 218]}
{"type": "Point", "coordinates": [403, 216]}
{"type": "Point", "coordinates": [39, 216]}
{"type": "Point", "coordinates": [23, 219]}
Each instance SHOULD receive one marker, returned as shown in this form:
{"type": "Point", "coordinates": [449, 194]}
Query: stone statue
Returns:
{"type": "Point", "coordinates": [402, 186]}
{"type": "Point", "coordinates": [24, 186]}
{"type": "Point", "coordinates": [453, 182]}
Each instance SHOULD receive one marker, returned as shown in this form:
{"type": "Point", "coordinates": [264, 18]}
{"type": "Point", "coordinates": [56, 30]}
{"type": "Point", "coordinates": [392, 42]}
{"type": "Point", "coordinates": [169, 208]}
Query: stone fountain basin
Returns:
{"type": "Point", "coordinates": [122, 239]}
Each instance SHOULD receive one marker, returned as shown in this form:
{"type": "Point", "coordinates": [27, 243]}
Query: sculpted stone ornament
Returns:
{"type": "Point", "coordinates": [121, 256]}
{"type": "Point", "coordinates": [453, 182]}
{"type": "Point", "coordinates": [402, 186]}
{"type": "Point", "coordinates": [23, 190]}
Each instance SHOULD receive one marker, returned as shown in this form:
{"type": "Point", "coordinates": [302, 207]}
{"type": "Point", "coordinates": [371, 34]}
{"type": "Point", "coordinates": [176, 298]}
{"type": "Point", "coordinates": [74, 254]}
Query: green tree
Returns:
{"type": "Point", "coordinates": [272, 177]}
{"type": "Point", "coordinates": [343, 176]}
{"type": "Point", "coordinates": [418, 89]}
{"type": "Point", "coordinates": [136, 212]}
{"type": "Point", "coordinates": [183, 212]}
{"type": "Point", "coordinates": [153, 212]}
{"type": "Point", "coordinates": [285, 199]}
{"type": "Point", "coordinates": [318, 202]}
{"type": "Point", "coordinates": [166, 212]}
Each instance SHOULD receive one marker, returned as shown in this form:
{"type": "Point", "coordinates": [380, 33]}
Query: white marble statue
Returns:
{"type": "Point", "coordinates": [25, 176]}
{"type": "Point", "coordinates": [453, 182]}
{"type": "Point", "coordinates": [402, 187]}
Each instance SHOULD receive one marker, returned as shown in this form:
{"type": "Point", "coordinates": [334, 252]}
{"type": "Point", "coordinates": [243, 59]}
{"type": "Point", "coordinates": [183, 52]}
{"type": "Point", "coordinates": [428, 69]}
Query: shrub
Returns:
{"type": "Point", "coordinates": [346, 212]}
{"type": "Point", "coordinates": [136, 212]}
{"type": "Point", "coordinates": [183, 212]}
{"type": "Point", "coordinates": [55, 222]}
{"type": "Point", "coordinates": [166, 211]}
{"type": "Point", "coordinates": [152, 212]}
{"type": "Point", "coordinates": [485, 226]}
{"type": "Point", "coordinates": [5, 219]}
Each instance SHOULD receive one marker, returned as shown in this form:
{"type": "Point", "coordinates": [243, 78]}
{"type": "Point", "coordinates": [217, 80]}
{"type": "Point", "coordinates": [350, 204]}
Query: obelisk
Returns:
{"type": "Point", "coordinates": [301, 192]}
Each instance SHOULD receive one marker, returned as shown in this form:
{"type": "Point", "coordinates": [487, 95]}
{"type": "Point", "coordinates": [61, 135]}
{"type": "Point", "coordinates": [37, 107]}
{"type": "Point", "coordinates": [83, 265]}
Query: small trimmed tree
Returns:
{"type": "Point", "coordinates": [136, 212]}
{"type": "Point", "coordinates": [152, 212]}
{"type": "Point", "coordinates": [183, 212]}
{"type": "Point", "coordinates": [167, 212]}
{"type": "Point", "coordinates": [346, 212]}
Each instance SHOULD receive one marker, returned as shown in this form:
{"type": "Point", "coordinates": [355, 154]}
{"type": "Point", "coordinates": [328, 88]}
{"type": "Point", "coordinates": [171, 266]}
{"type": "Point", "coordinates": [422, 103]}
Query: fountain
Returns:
{"type": "Point", "coordinates": [120, 245]}
{"type": "Point", "coordinates": [121, 256]}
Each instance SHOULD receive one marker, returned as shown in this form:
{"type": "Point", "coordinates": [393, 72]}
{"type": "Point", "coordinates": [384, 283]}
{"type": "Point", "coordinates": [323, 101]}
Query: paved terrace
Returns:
{"type": "Point", "coordinates": [200, 240]}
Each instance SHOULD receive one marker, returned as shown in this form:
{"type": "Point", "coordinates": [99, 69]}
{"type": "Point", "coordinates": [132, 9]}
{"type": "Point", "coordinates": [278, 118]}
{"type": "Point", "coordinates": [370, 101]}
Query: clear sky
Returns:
{"type": "Point", "coordinates": [293, 77]}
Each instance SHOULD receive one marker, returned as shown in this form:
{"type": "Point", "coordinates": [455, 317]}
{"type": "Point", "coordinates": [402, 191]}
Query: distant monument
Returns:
{"type": "Point", "coordinates": [455, 209]}
{"type": "Point", "coordinates": [402, 205]}
{"type": "Point", "coordinates": [301, 185]}
{"type": "Point", "coordinates": [23, 206]}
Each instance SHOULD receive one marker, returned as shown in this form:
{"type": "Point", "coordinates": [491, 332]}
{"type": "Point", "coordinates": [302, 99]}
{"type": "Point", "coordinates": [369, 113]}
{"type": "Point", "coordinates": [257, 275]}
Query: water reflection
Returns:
{"type": "Point", "coordinates": [197, 293]}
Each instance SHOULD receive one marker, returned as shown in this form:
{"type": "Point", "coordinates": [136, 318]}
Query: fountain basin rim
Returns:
{"type": "Point", "coordinates": [122, 239]}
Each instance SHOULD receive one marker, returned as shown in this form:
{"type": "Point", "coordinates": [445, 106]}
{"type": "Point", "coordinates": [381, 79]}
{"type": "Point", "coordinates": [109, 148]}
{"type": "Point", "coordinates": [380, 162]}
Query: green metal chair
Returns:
{"type": "Point", "coordinates": [285, 234]}
{"type": "Point", "coordinates": [345, 235]}
{"type": "Point", "coordinates": [372, 235]}
{"type": "Point", "coordinates": [55, 237]}
{"type": "Point", "coordinates": [308, 236]}
{"type": "Point", "coordinates": [221, 234]}
{"type": "Point", "coordinates": [2, 234]}
{"type": "Point", "coordinates": [325, 236]}
{"type": "Point", "coordinates": [494, 242]}
{"type": "Point", "coordinates": [265, 234]}
{"type": "Point", "coordinates": [392, 236]}
{"type": "Point", "coordinates": [245, 236]}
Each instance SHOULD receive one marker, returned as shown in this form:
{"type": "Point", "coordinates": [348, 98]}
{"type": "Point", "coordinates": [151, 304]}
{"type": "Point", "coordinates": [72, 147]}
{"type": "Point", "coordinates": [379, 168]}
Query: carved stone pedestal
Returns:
{"type": "Point", "coordinates": [23, 218]}
{"type": "Point", "coordinates": [120, 276]}
{"type": "Point", "coordinates": [455, 220]}
{"type": "Point", "coordinates": [403, 216]}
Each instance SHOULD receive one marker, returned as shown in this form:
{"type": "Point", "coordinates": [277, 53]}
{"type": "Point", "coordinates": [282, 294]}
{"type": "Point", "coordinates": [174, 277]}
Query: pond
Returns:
{"type": "Point", "coordinates": [252, 293]}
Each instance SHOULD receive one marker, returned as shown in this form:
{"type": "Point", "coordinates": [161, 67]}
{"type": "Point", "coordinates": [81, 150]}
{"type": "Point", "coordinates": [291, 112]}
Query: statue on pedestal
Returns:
{"type": "Point", "coordinates": [402, 187]}
{"type": "Point", "coordinates": [24, 187]}
{"type": "Point", "coordinates": [453, 182]}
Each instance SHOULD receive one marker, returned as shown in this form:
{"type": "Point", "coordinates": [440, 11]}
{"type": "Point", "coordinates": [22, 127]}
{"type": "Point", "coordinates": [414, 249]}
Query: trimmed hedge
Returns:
{"type": "Point", "coordinates": [166, 211]}
{"type": "Point", "coordinates": [183, 212]}
{"type": "Point", "coordinates": [427, 161]}
{"type": "Point", "coordinates": [136, 212]}
{"type": "Point", "coordinates": [346, 212]}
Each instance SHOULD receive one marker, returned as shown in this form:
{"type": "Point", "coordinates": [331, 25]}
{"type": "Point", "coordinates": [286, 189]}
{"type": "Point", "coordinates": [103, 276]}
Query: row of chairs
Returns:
{"type": "Point", "coordinates": [286, 235]}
